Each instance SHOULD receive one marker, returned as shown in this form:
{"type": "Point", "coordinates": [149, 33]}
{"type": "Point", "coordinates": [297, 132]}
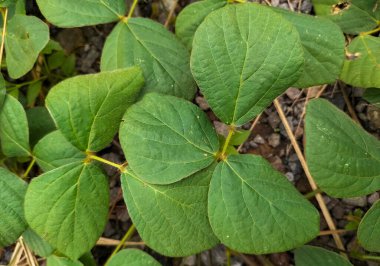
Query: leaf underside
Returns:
{"type": "Point", "coordinates": [132, 257]}
{"type": "Point", "coordinates": [369, 231]}
{"type": "Point", "coordinates": [316, 256]}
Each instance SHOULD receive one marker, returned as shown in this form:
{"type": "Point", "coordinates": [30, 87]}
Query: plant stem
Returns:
{"type": "Point", "coordinates": [5, 17]}
{"type": "Point", "coordinates": [228, 139]}
{"type": "Point", "coordinates": [97, 158]}
{"type": "Point", "coordinates": [17, 86]}
{"type": "Point", "coordinates": [228, 257]}
{"type": "Point", "coordinates": [30, 166]}
{"type": "Point", "coordinates": [312, 193]}
{"type": "Point", "coordinates": [370, 32]}
{"type": "Point", "coordinates": [126, 237]}
{"type": "Point", "coordinates": [130, 13]}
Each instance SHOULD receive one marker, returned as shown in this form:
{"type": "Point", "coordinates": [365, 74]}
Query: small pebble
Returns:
{"type": "Point", "coordinates": [356, 201]}
{"type": "Point", "coordinates": [290, 176]}
{"type": "Point", "coordinates": [373, 198]}
{"type": "Point", "coordinates": [202, 103]}
{"type": "Point", "coordinates": [274, 120]}
{"type": "Point", "coordinates": [293, 93]}
{"type": "Point", "coordinates": [274, 140]}
{"type": "Point", "coordinates": [259, 139]}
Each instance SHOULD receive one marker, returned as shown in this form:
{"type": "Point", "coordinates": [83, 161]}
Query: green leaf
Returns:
{"type": "Point", "coordinates": [243, 57]}
{"type": "Point", "coordinates": [73, 13]}
{"type": "Point", "coordinates": [254, 209]}
{"type": "Point", "coordinates": [38, 245]}
{"type": "Point", "coordinates": [68, 207]}
{"type": "Point", "coordinates": [14, 134]}
{"type": "Point", "coordinates": [166, 139]}
{"type": "Point", "coordinates": [362, 67]}
{"type": "Point", "coordinates": [342, 157]}
{"type": "Point", "coordinates": [316, 256]}
{"type": "Point", "coordinates": [32, 92]}
{"type": "Point", "coordinates": [88, 108]}
{"type": "Point", "coordinates": [62, 261]}
{"type": "Point", "coordinates": [3, 90]}
{"type": "Point", "coordinates": [40, 123]}
{"type": "Point", "coordinates": [132, 257]}
{"type": "Point", "coordinates": [239, 137]}
{"type": "Point", "coordinates": [12, 193]}
{"type": "Point", "coordinates": [352, 16]}
{"type": "Point", "coordinates": [54, 151]}
{"type": "Point", "coordinates": [369, 230]}
{"type": "Point", "coordinates": [171, 219]}
{"type": "Point", "coordinates": [192, 16]}
{"type": "Point", "coordinates": [163, 59]}
{"type": "Point", "coordinates": [323, 45]}
{"type": "Point", "coordinates": [26, 37]}
{"type": "Point", "coordinates": [372, 95]}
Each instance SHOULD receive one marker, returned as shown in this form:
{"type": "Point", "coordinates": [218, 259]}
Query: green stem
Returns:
{"type": "Point", "coordinates": [30, 166]}
{"type": "Point", "coordinates": [370, 32]}
{"type": "Point", "coordinates": [97, 158]}
{"type": "Point", "coordinates": [126, 237]}
{"type": "Point", "coordinates": [130, 13]}
{"type": "Point", "coordinates": [228, 256]}
{"type": "Point", "coordinates": [17, 86]}
{"type": "Point", "coordinates": [312, 193]}
{"type": "Point", "coordinates": [228, 139]}
{"type": "Point", "coordinates": [4, 14]}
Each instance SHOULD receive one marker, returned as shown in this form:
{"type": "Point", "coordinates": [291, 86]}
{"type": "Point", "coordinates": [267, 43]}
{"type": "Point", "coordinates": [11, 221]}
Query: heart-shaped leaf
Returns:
{"type": "Point", "coordinates": [342, 157]}
{"type": "Point", "coordinates": [352, 16]}
{"type": "Point", "coordinates": [369, 231]}
{"type": "Point", "coordinates": [163, 59]}
{"type": "Point", "coordinates": [362, 65]}
{"type": "Point", "coordinates": [73, 13]}
{"type": "Point", "coordinates": [14, 133]}
{"type": "Point", "coordinates": [61, 261]}
{"type": "Point", "coordinates": [254, 209]}
{"type": "Point", "coordinates": [12, 193]}
{"type": "Point", "coordinates": [68, 207]}
{"type": "Point", "coordinates": [171, 219]}
{"type": "Point", "coordinates": [88, 109]}
{"type": "Point", "coordinates": [323, 44]}
{"type": "Point", "coordinates": [192, 16]}
{"type": "Point", "coordinates": [316, 256]}
{"type": "Point", "coordinates": [40, 123]}
{"type": "Point", "coordinates": [25, 38]}
{"type": "Point", "coordinates": [166, 139]}
{"type": "Point", "coordinates": [243, 57]}
{"type": "Point", "coordinates": [54, 151]}
{"type": "Point", "coordinates": [132, 257]}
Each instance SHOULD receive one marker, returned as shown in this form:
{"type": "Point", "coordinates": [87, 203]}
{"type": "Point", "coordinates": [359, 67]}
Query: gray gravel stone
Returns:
{"type": "Point", "coordinates": [356, 201]}
{"type": "Point", "coordinates": [202, 103]}
{"type": "Point", "coordinates": [259, 139]}
{"type": "Point", "coordinates": [274, 140]}
{"type": "Point", "coordinates": [373, 198]}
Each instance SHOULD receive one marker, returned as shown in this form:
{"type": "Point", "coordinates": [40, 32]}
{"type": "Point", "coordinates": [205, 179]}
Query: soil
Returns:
{"type": "Point", "coordinates": [268, 139]}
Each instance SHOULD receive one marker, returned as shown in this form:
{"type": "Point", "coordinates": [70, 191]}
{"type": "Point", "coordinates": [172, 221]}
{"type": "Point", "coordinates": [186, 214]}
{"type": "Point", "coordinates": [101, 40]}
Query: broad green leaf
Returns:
{"type": "Point", "coordinates": [61, 261]}
{"type": "Point", "coordinates": [192, 16]}
{"type": "Point", "coordinates": [352, 16]}
{"type": "Point", "coordinates": [88, 108]}
{"type": "Point", "coordinates": [163, 59]}
{"type": "Point", "coordinates": [38, 245]}
{"type": "Point", "coordinates": [73, 13]}
{"type": "Point", "coordinates": [342, 157]}
{"type": "Point", "coordinates": [26, 37]}
{"type": "Point", "coordinates": [14, 134]}
{"type": "Point", "coordinates": [32, 92]}
{"type": "Point", "coordinates": [166, 139]}
{"type": "Point", "coordinates": [171, 219]}
{"type": "Point", "coordinates": [239, 137]}
{"type": "Point", "coordinates": [369, 230]}
{"type": "Point", "coordinates": [2, 90]}
{"type": "Point", "coordinates": [132, 257]}
{"type": "Point", "coordinates": [323, 45]}
{"type": "Point", "coordinates": [372, 95]}
{"type": "Point", "coordinates": [12, 193]}
{"type": "Point", "coordinates": [68, 207]}
{"type": "Point", "coordinates": [40, 123]}
{"type": "Point", "coordinates": [243, 57]}
{"type": "Point", "coordinates": [362, 65]}
{"type": "Point", "coordinates": [254, 209]}
{"type": "Point", "coordinates": [316, 256]}
{"type": "Point", "coordinates": [54, 151]}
